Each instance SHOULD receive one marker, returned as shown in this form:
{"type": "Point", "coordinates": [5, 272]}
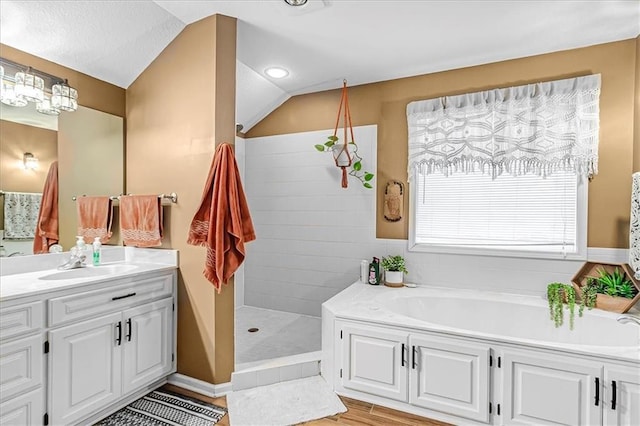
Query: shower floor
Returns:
{"type": "Point", "coordinates": [280, 334]}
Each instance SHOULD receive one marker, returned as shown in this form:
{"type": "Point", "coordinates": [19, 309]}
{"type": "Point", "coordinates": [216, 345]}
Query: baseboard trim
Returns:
{"type": "Point", "coordinates": [199, 386]}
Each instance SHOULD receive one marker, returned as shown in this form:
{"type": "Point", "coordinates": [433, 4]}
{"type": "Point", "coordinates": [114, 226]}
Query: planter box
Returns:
{"type": "Point", "coordinates": [603, 301]}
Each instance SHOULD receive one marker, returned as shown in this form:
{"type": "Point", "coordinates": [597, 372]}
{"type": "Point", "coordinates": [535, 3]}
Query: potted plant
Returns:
{"type": "Point", "coordinates": [610, 287]}
{"type": "Point", "coordinates": [557, 295]}
{"type": "Point", "coordinates": [394, 268]}
{"type": "Point", "coordinates": [342, 159]}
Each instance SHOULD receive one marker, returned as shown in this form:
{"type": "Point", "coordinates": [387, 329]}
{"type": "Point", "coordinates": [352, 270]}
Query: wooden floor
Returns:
{"type": "Point", "coordinates": [358, 413]}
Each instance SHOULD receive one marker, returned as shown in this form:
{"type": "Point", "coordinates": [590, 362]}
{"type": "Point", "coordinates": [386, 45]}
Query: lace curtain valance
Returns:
{"type": "Point", "coordinates": [537, 128]}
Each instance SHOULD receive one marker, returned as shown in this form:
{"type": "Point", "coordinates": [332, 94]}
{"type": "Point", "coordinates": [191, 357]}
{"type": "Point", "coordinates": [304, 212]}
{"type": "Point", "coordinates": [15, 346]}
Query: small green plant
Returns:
{"type": "Point", "coordinates": [614, 283]}
{"type": "Point", "coordinates": [557, 294]}
{"type": "Point", "coordinates": [394, 263]}
{"type": "Point", "coordinates": [589, 294]}
{"type": "Point", "coordinates": [356, 161]}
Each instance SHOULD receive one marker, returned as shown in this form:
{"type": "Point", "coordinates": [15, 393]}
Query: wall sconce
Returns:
{"type": "Point", "coordinates": [29, 161]}
{"type": "Point", "coordinates": [20, 85]}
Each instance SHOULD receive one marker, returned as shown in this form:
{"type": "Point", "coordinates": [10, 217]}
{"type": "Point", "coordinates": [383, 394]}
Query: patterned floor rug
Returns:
{"type": "Point", "coordinates": [160, 408]}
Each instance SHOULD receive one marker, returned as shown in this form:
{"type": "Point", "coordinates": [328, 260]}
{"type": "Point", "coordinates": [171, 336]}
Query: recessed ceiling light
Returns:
{"type": "Point", "coordinates": [276, 72]}
{"type": "Point", "coordinates": [296, 2]}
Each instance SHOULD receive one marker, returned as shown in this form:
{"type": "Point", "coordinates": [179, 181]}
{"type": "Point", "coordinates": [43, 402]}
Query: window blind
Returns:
{"type": "Point", "coordinates": [526, 212]}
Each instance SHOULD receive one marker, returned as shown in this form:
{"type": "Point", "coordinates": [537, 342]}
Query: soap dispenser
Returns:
{"type": "Point", "coordinates": [80, 247]}
{"type": "Point", "coordinates": [97, 248]}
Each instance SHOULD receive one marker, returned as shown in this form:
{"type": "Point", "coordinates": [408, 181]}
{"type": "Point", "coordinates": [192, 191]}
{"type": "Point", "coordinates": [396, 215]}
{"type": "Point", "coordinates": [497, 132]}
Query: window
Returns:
{"type": "Point", "coordinates": [527, 215]}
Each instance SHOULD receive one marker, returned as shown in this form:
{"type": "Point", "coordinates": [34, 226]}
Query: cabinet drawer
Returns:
{"type": "Point", "coordinates": [20, 366]}
{"type": "Point", "coordinates": [25, 410]}
{"type": "Point", "coordinates": [21, 320]}
{"type": "Point", "coordinates": [89, 303]}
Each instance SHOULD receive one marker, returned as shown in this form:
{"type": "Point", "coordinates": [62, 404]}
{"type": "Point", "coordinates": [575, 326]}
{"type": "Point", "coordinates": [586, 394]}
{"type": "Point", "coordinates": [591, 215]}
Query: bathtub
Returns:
{"type": "Point", "coordinates": [452, 355]}
{"type": "Point", "coordinates": [509, 317]}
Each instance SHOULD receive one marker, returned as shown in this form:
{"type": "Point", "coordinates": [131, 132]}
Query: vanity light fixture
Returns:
{"type": "Point", "coordinates": [296, 3]}
{"type": "Point", "coordinates": [30, 161]}
{"type": "Point", "coordinates": [276, 72]}
{"type": "Point", "coordinates": [29, 86]}
{"type": "Point", "coordinates": [20, 85]}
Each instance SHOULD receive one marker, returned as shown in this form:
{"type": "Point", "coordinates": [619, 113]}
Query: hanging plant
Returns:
{"type": "Point", "coordinates": [345, 152]}
{"type": "Point", "coordinates": [557, 295]}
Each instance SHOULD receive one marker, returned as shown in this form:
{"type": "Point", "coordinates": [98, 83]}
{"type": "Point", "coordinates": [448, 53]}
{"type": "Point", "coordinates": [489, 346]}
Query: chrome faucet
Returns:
{"type": "Point", "coordinates": [75, 261]}
{"type": "Point", "coordinates": [629, 319]}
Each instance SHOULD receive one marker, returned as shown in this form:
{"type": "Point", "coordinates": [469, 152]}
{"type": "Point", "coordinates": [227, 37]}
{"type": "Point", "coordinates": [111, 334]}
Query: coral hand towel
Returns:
{"type": "Point", "coordinates": [141, 220]}
{"type": "Point", "coordinates": [223, 223]}
{"type": "Point", "coordinates": [95, 215]}
{"type": "Point", "coordinates": [46, 233]}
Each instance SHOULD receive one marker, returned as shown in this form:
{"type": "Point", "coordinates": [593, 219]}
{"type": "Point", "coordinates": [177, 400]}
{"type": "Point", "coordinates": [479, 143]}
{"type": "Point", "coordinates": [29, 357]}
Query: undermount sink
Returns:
{"type": "Point", "coordinates": [89, 272]}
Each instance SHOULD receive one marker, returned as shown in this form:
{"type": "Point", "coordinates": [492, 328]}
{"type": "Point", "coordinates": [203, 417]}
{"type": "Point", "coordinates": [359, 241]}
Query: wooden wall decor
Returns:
{"type": "Point", "coordinates": [393, 201]}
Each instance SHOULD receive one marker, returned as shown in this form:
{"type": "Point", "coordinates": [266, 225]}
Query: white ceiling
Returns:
{"type": "Point", "coordinates": [320, 44]}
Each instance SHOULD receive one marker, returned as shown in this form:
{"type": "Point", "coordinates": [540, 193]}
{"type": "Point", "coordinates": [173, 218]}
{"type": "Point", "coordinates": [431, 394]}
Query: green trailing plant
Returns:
{"type": "Point", "coordinates": [394, 263]}
{"type": "Point", "coordinates": [589, 294]}
{"type": "Point", "coordinates": [356, 162]}
{"type": "Point", "coordinates": [557, 294]}
{"type": "Point", "coordinates": [614, 283]}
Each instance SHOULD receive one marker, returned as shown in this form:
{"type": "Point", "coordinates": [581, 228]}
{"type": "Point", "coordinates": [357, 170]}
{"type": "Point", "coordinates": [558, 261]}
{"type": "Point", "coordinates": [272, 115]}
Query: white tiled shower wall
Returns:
{"type": "Point", "coordinates": [312, 234]}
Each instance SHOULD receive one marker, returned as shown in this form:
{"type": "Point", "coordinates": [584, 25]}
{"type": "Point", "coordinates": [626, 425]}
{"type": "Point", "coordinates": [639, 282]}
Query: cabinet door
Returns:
{"type": "Point", "coordinates": [546, 389]}
{"type": "Point", "coordinates": [372, 361]}
{"type": "Point", "coordinates": [20, 366]}
{"type": "Point", "coordinates": [626, 410]}
{"type": "Point", "coordinates": [147, 343]}
{"type": "Point", "coordinates": [24, 410]}
{"type": "Point", "coordinates": [85, 368]}
{"type": "Point", "coordinates": [450, 376]}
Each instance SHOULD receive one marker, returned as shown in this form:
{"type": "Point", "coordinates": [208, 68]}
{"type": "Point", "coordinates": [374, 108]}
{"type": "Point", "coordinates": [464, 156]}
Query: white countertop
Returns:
{"type": "Point", "coordinates": [34, 275]}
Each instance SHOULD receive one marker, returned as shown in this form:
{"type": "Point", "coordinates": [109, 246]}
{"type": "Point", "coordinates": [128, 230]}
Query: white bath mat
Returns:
{"type": "Point", "coordinates": [284, 403]}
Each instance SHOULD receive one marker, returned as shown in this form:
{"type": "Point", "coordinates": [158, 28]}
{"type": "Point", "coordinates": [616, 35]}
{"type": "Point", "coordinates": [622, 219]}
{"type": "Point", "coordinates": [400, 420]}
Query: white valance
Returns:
{"type": "Point", "coordinates": [537, 128]}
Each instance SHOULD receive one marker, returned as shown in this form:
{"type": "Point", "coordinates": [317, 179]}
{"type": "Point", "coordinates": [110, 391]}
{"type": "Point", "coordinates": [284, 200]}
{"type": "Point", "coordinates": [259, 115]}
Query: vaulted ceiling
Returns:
{"type": "Point", "coordinates": [320, 43]}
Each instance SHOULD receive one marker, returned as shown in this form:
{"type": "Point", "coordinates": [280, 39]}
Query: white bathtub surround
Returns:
{"type": "Point", "coordinates": [284, 403]}
{"type": "Point", "coordinates": [463, 355]}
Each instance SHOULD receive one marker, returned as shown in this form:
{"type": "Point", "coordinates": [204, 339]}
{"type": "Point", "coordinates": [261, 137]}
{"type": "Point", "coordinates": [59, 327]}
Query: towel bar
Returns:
{"type": "Point", "coordinates": [173, 197]}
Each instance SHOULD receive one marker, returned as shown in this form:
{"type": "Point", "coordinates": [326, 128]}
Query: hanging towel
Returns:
{"type": "Point", "coordinates": [634, 235]}
{"type": "Point", "coordinates": [222, 223]}
{"type": "Point", "coordinates": [95, 215]}
{"type": "Point", "coordinates": [21, 214]}
{"type": "Point", "coordinates": [141, 220]}
{"type": "Point", "coordinates": [47, 225]}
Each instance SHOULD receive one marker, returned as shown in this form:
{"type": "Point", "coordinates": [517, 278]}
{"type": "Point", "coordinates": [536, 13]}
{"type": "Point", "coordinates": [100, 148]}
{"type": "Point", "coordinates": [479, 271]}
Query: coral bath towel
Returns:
{"type": "Point", "coordinates": [46, 233]}
{"type": "Point", "coordinates": [95, 215]}
{"type": "Point", "coordinates": [141, 220]}
{"type": "Point", "coordinates": [222, 223]}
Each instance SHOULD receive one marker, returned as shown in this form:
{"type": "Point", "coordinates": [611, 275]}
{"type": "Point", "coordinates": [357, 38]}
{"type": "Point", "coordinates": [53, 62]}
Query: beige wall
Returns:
{"type": "Point", "coordinates": [636, 125]}
{"type": "Point", "coordinates": [15, 140]}
{"type": "Point", "coordinates": [178, 110]}
{"type": "Point", "coordinates": [385, 104]}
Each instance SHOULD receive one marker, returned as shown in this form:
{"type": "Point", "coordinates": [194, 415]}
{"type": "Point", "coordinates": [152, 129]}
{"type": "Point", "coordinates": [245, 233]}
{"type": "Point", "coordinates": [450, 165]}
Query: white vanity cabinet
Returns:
{"type": "Point", "coordinates": [374, 360]}
{"type": "Point", "coordinates": [22, 364]}
{"type": "Point", "coordinates": [416, 368]}
{"type": "Point", "coordinates": [464, 380]}
{"type": "Point", "coordinates": [94, 362]}
{"type": "Point", "coordinates": [450, 376]}
{"type": "Point", "coordinates": [550, 389]}
{"type": "Point", "coordinates": [622, 396]}
{"type": "Point", "coordinates": [100, 346]}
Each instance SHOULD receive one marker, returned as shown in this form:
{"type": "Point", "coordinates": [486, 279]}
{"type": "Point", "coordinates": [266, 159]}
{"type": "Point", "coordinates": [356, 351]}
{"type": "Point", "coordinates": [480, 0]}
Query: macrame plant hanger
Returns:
{"type": "Point", "coordinates": [341, 154]}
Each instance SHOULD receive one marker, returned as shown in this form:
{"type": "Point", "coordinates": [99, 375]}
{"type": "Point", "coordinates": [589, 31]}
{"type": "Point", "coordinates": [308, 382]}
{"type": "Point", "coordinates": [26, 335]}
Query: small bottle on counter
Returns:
{"type": "Point", "coordinates": [97, 251]}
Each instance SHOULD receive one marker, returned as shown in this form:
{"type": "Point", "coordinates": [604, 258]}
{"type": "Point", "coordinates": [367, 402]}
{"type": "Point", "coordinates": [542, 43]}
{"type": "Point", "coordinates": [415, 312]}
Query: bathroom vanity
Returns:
{"type": "Point", "coordinates": [77, 345]}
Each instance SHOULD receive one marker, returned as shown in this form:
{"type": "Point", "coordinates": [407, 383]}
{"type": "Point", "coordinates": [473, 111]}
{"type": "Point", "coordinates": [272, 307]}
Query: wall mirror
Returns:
{"type": "Point", "coordinates": [89, 147]}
